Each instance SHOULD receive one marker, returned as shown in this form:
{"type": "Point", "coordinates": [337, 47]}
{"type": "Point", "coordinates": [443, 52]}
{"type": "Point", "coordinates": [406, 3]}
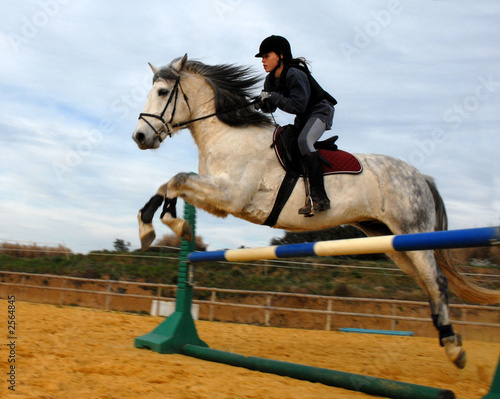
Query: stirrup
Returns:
{"type": "Point", "coordinates": [308, 209]}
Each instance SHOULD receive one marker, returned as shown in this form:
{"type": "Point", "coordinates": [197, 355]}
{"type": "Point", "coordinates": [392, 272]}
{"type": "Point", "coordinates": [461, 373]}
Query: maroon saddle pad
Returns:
{"type": "Point", "coordinates": [335, 161]}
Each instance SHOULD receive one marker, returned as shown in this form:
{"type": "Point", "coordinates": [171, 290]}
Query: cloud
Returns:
{"type": "Point", "coordinates": [419, 83]}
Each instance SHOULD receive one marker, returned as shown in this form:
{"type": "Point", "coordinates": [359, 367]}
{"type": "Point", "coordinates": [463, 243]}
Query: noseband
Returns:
{"type": "Point", "coordinates": [167, 126]}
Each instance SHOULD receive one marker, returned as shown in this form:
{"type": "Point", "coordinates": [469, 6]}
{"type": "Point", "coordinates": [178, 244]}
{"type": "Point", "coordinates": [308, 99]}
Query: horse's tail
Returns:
{"type": "Point", "coordinates": [459, 284]}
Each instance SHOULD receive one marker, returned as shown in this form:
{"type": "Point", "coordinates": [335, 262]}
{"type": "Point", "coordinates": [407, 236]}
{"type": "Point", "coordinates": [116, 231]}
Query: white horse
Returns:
{"type": "Point", "coordinates": [240, 175]}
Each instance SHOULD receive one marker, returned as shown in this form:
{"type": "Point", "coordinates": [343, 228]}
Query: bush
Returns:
{"type": "Point", "coordinates": [33, 250]}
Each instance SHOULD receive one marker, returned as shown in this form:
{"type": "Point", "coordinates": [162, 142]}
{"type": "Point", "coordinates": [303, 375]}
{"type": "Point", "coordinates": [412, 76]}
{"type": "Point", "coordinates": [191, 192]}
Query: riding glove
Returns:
{"type": "Point", "coordinates": [264, 95]}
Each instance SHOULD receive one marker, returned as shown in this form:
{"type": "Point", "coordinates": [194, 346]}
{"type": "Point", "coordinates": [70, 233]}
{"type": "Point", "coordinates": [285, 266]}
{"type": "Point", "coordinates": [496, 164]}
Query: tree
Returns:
{"type": "Point", "coordinates": [121, 245]}
{"type": "Point", "coordinates": [171, 240]}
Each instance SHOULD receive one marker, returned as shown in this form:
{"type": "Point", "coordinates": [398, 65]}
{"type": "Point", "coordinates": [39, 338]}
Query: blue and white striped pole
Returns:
{"type": "Point", "coordinates": [477, 237]}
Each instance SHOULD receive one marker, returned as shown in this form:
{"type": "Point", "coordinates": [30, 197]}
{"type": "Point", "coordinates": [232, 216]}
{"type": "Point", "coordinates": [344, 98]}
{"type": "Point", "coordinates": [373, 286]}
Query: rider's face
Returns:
{"type": "Point", "coordinates": [270, 61]}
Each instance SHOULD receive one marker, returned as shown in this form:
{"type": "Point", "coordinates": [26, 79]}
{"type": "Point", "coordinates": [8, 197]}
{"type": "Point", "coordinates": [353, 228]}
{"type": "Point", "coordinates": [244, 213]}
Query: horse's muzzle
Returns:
{"type": "Point", "coordinates": [142, 140]}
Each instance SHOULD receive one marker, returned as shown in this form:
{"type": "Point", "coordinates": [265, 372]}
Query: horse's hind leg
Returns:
{"type": "Point", "coordinates": [432, 280]}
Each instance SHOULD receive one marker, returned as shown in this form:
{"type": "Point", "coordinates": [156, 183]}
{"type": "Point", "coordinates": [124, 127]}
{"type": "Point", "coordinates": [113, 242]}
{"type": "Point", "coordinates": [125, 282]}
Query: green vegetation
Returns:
{"type": "Point", "coordinates": [154, 267]}
{"type": "Point", "coordinates": [338, 276]}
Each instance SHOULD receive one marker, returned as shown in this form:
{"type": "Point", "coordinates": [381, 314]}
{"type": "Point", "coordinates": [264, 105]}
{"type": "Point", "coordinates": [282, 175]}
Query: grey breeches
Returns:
{"type": "Point", "coordinates": [312, 131]}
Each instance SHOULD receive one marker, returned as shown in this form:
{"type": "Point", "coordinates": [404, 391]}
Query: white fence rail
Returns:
{"type": "Point", "coordinates": [112, 290]}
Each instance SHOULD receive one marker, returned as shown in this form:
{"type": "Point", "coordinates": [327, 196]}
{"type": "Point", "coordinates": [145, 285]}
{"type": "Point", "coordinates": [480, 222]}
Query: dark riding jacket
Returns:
{"type": "Point", "coordinates": [298, 93]}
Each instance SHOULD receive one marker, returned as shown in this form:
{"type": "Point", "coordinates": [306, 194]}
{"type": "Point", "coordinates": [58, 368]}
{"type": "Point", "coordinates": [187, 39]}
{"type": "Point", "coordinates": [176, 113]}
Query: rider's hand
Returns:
{"type": "Point", "coordinates": [264, 95]}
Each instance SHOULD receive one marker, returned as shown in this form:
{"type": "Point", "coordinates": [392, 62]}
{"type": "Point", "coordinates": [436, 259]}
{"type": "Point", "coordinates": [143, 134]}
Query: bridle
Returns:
{"type": "Point", "coordinates": [167, 127]}
{"type": "Point", "coordinates": [174, 94]}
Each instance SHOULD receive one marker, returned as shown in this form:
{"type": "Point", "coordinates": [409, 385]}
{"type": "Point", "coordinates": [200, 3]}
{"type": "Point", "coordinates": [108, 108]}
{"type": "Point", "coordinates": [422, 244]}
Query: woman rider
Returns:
{"type": "Point", "coordinates": [290, 87]}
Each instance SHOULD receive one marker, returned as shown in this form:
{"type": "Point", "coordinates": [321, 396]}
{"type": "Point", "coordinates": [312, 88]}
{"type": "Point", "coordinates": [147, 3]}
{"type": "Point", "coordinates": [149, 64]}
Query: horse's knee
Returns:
{"type": "Point", "coordinates": [178, 181]}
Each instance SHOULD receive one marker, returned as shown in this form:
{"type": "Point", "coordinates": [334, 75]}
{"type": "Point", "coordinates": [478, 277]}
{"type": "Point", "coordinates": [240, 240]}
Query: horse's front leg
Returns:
{"type": "Point", "coordinates": [145, 217]}
{"type": "Point", "coordinates": [218, 195]}
{"type": "Point", "coordinates": [169, 216]}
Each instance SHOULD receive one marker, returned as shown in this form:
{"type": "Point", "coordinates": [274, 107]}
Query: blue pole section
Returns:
{"type": "Point", "coordinates": [478, 237]}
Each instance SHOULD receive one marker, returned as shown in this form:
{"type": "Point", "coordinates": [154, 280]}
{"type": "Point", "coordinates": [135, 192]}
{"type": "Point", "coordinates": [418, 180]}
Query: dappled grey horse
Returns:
{"type": "Point", "coordinates": [240, 175]}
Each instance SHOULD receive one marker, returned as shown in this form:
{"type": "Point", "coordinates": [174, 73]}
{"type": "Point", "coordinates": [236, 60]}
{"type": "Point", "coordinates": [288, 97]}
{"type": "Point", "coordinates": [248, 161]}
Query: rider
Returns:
{"type": "Point", "coordinates": [290, 87]}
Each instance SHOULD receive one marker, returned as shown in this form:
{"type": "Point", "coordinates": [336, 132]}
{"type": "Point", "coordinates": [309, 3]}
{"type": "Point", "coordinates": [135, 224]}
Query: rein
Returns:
{"type": "Point", "coordinates": [168, 125]}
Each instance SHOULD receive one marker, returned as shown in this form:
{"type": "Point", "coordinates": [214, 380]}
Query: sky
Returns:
{"type": "Point", "coordinates": [417, 80]}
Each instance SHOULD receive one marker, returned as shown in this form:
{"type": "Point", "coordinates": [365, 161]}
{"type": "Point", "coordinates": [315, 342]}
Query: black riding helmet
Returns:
{"type": "Point", "coordinates": [278, 44]}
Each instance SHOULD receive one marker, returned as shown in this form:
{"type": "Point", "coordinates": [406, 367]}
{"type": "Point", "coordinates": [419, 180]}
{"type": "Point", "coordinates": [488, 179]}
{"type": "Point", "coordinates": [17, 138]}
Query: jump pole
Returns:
{"type": "Point", "coordinates": [465, 238]}
{"type": "Point", "coordinates": [340, 379]}
{"type": "Point", "coordinates": [177, 334]}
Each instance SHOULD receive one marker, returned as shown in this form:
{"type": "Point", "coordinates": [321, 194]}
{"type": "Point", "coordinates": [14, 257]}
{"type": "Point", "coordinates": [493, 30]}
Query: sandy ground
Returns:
{"type": "Point", "coordinates": [70, 352]}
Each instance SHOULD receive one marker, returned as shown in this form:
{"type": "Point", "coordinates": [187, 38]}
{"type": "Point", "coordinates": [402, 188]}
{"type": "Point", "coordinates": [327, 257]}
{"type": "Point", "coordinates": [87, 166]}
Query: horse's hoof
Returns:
{"type": "Point", "coordinates": [454, 350]}
{"type": "Point", "coordinates": [461, 360]}
{"type": "Point", "coordinates": [180, 227]}
{"type": "Point", "coordinates": [146, 233]}
{"type": "Point", "coordinates": [147, 240]}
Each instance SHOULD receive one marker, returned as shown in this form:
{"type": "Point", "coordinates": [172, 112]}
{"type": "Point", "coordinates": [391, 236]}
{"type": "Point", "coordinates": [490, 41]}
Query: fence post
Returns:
{"type": "Point", "coordinates": [393, 321]}
{"type": "Point", "coordinates": [22, 289]}
{"type": "Point", "coordinates": [62, 291]}
{"type": "Point", "coordinates": [108, 297]}
{"type": "Point", "coordinates": [178, 329]}
{"type": "Point", "coordinates": [328, 316]}
{"type": "Point", "coordinates": [267, 317]}
{"type": "Point", "coordinates": [464, 328]}
{"type": "Point", "coordinates": [212, 307]}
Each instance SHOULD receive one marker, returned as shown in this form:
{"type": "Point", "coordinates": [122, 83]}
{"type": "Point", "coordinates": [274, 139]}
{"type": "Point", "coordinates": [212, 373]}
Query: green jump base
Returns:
{"type": "Point", "coordinates": [179, 328]}
{"type": "Point", "coordinates": [340, 379]}
{"type": "Point", "coordinates": [494, 392]}
{"type": "Point", "coordinates": [171, 335]}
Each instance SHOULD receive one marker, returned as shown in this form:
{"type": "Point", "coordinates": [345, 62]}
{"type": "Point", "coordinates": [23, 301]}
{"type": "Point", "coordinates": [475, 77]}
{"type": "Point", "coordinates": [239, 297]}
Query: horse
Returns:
{"type": "Point", "coordinates": [239, 174]}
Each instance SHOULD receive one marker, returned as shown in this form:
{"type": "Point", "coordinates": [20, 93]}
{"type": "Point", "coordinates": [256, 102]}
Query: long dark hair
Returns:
{"type": "Point", "coordinates": [298, 61]}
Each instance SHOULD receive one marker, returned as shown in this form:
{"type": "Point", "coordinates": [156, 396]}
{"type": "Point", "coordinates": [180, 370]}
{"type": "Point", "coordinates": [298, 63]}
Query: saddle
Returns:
{"type": "Point", "coordinates": [334, 161]}
{"type": "Point", "coordinates": [285, 145]}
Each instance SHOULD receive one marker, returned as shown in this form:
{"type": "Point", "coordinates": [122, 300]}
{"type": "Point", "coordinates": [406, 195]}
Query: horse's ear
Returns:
{"type": "Point", "coordinates": [180, 64]}
{"type": "Point", "coordinates": [183, 62]}
{"type": "Point", "coordinates": [153, 68]}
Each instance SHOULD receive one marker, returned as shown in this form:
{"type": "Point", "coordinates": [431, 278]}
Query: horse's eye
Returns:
{"type": "Point", "coordinates": [162, 92]}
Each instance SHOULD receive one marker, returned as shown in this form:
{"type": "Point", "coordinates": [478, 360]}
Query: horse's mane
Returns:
{"type": "Point", "coordinates": [232, 85]}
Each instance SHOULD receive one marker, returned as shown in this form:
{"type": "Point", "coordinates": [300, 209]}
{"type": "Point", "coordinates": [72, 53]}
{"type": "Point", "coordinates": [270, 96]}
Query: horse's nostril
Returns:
{"type": "Point", "coordinates": [140, 137]}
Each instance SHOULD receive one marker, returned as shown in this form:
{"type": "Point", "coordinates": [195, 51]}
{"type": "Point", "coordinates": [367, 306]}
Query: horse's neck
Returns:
{"type": "Point", "coordinates": [217, 141]}
{"type": "Point", "coordinates": [210, 134]}
{"type": "Point", "coordinates": [213, 136]}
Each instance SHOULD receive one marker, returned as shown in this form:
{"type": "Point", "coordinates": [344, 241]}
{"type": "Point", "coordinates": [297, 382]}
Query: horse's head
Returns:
{"type": "Point", "coordinates": [222, 91]}
{"type": "Point", "coordinates": [166, 107]}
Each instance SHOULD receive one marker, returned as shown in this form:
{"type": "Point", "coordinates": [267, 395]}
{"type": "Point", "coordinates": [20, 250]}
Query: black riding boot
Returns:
{"type": "Point", "coordinates": [314, 171]}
